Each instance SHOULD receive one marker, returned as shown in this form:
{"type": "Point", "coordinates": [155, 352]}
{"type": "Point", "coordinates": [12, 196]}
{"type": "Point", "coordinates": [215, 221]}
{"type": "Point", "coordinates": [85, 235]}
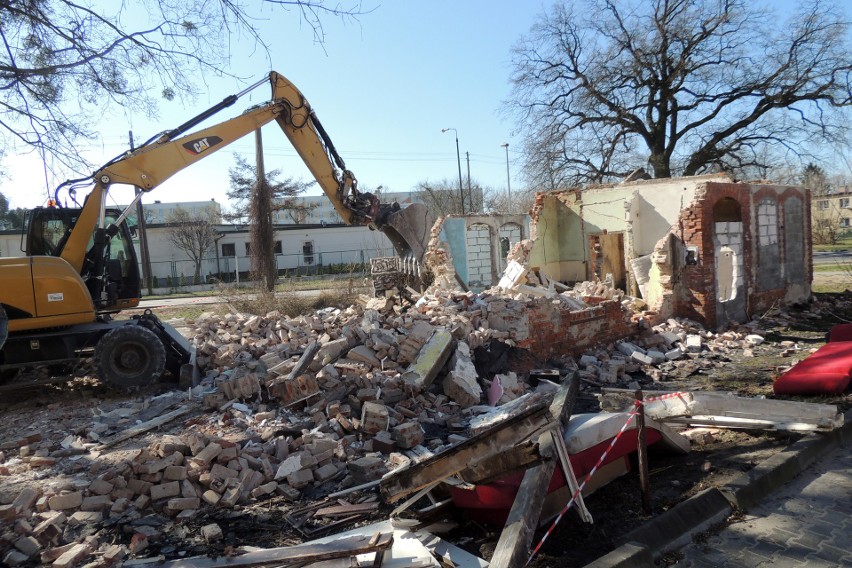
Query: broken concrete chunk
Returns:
{"type": "Point", "coordinates": [462, 384]}
{"type": "Point", "coordinates": [374, 417]}
{"type": "Point", "coordinates": [294, 463]}
{"type": "Point", "coordinates": [693, 343]}
{"type": "Point", "coordinates": [211, 532]}
{"type": "Point", "coordinates": [65, 501]}
{"type": "Point", "coordinates": [367, 469]}
{"type": "Point", "coordinates": [408, 435]}
{"type": "Point", "coordinates": [754, 339]}
{"type": "Point", "coordinates": [431, 360]}
{"type": "Point", "coordinates": [364, 354]}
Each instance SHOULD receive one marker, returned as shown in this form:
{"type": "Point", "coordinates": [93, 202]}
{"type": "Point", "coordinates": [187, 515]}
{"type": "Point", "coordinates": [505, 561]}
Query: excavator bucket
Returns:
{"type": "Point", "coordinates": [409, 230]}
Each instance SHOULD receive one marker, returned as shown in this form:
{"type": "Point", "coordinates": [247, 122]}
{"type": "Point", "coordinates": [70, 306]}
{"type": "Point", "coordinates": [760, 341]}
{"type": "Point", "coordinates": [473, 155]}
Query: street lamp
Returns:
{"type": "Point", "coordinates": [508, 180]}
{"type": "Point", "coordinates": [458, 159]}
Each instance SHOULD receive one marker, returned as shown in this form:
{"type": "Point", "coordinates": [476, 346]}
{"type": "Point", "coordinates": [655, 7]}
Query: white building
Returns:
{"type": "Point", "coordinates": [320, 210]}
{"type": "Point", "coordinates": [299, 249]}
{"type": "Point", "coordinates": [302, 249]}
{"type": "Point", "coordinates": [158, 212]}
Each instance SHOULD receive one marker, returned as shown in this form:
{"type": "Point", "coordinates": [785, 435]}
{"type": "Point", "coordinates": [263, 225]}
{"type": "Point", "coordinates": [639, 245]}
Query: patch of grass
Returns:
{"type": "Point", "coordinates": [322, 283]}
{"type": "Point", "coordinates": [832, 268]}
{"type": "Point", "coordinates": [290, 302]}
{"type": "Point", "coordinates": [829, 287]}
{"type": "Point", "coordinates": [844, 243]}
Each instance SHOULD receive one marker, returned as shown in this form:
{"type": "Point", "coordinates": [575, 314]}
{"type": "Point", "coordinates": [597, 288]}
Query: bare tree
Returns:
{"type": "Point", "coordinates": [261, 232]}
{"type": "Point", "coordinates": [194, 233]}
{"type": "Point", "coordinates": [63, 63]}
{"type": "Point", "coordinates": [443, 197]}
{"type": "Point", "coordinates": [602, 87]}
{"type": "Point", "coordinates": [498, 201]}
{"type": "Point", "coordinates": [285, 193]}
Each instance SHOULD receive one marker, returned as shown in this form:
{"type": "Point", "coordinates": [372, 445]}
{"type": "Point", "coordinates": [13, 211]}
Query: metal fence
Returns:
{"type": "Point", "coordinates": [234, 269]}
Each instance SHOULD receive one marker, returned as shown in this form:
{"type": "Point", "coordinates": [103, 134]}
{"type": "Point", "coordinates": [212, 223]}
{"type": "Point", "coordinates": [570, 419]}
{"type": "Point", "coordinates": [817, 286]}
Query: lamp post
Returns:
{"type": "Point", "coordinates": [458, 159]}
{"type": "Point", "coordinates": [508, 179]}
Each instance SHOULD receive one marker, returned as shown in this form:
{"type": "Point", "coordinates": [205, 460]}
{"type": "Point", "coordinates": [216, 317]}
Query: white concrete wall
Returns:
{"type": "Point", "coordinates": [657, 207]}
{"type": "Point", "coordinates": [478, 240]}
{"type": "Point", "coordinates": [331, 245]}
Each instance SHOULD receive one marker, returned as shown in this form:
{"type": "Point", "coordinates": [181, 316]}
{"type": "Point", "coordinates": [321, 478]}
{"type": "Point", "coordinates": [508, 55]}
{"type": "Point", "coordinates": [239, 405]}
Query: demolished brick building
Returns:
{"type": "Point", "coordinates": [705, 248]}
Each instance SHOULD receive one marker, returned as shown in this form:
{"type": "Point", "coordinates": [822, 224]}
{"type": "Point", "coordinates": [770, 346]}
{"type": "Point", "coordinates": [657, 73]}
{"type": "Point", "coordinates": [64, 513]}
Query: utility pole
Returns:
{"type": "Point", "coordinates": [143, 237]}
{"type": "Point", "coordinates": [469, 194]}
{"type": "Point", "coordinates": [508, 179]}
{"type": "Point", "coordinates": [458, 160]}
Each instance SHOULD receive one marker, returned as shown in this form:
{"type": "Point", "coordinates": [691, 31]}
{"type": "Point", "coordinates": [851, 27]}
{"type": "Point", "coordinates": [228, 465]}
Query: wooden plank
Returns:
{"type": "Point", "coordinates": [495, 440]}
{"type": "Point", "coordinates": [346, 510]}
{"type": "Point", "coordinates": [513, 547]}
{"type": "Point", "coordinates": [487, 470]}
{"type": "Point", "coordinates": [290, 555]}
{"type": "Point", "coordinates": [142, 428]}
{"type": "Point", "coordinates": [304, 361]}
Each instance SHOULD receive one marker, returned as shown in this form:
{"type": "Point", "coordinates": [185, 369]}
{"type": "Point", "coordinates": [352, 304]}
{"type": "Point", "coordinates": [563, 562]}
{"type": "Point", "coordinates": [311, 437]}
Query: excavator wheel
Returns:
{"type": "Point", "coordinates": [130, 356]}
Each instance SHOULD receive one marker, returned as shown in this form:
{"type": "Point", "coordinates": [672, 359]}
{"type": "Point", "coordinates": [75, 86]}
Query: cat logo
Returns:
{"type": "Point", "coordinates": [200, 145]}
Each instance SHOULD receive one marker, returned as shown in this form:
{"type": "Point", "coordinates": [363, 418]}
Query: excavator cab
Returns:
{"type": "Point", "coordinates": [47, 230]}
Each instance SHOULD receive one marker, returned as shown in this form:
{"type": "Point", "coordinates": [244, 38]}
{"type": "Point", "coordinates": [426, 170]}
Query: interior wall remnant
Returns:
{"type": "Point", "coordinates": [746, 262]}
{"type": "Point", "coordinates": [606, 257]}
{"type": "Point", "coordinates": [473, 246]}
{"type": "Point", "coordinates": [768, 246]}
{"type": "Point", "coordinates": [479, 269]}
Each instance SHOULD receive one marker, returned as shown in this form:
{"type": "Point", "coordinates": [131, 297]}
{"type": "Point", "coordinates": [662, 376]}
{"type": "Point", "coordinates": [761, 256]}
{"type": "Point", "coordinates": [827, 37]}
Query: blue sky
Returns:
{"type": "Point", "coordinates": [383, 86]}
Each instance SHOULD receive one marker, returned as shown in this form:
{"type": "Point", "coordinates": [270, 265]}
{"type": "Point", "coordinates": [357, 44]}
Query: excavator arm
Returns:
{"type": "Point", "coordinates": [160, 158]}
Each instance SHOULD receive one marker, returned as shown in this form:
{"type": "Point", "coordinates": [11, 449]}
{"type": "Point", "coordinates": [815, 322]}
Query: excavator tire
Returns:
{"type": "Point", "coordinates": [130, 356]}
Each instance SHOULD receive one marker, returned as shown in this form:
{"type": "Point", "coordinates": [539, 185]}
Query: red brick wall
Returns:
{"type": "Point", "coordinates": [695, 296]}
{"type": "Point", "coordinates": [550, 331]}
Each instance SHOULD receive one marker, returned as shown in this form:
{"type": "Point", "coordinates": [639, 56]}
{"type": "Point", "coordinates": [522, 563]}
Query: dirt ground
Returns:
{"type": "Point", "coordinates": [65, 408]}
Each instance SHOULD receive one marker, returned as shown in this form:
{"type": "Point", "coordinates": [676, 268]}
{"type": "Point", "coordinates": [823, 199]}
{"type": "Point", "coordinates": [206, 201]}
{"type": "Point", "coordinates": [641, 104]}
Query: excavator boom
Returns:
{"type": "Point", "coordinates": [157, 160]}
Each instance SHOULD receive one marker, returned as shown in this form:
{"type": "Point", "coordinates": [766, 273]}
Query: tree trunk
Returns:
{"type": "Point", "coordinates": [261, 234]}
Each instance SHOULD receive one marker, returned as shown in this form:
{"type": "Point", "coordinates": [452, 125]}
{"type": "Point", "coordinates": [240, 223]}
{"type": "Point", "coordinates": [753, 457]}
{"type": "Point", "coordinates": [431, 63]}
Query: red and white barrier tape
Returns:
{"type": "Point", "coordinates": [631, 415]}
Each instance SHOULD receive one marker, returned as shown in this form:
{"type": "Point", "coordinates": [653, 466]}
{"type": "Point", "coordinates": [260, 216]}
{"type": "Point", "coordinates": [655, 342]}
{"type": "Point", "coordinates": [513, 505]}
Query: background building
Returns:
{"type": "Point", "coordinates": [319, 210]}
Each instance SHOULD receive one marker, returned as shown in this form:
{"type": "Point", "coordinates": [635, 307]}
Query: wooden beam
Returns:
{"type": "Point", "coordinates": [294, 555]}
{"type": "Point", "coordinates": [492, 441]}
{"type": "Point", "coordinates": [304, 361]}
{"type": "Point", "coordinates": [495, 467]}
{"type": "Point", "coordinates": [513, 547]}
{"type": "Point", "coordinates": [142, 428]}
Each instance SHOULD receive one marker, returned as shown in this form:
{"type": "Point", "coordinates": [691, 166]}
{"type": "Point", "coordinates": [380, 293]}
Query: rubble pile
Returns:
{"type": "Point", "coordinates": [308, 406]}
{"type": "Point", "coordinates": [672, 350]}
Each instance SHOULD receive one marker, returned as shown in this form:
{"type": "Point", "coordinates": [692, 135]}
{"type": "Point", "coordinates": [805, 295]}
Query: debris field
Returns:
{"type": "Point", "coordinates": [306, 422]}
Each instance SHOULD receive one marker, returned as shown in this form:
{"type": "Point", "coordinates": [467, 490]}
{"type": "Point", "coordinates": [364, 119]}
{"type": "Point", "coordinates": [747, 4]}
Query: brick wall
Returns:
{"type": "Point", "coordinates": [550, 331]}
{"type": "Point", "coordinates": [695, 294]}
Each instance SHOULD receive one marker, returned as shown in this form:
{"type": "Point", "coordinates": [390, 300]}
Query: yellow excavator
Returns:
{"type": "Point", "coordinates": [56, 303]}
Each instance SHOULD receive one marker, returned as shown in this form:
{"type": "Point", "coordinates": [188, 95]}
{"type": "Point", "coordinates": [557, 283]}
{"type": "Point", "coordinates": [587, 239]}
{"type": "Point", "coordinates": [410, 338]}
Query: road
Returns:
{"type": "Point", "coordinates": [834, 257]}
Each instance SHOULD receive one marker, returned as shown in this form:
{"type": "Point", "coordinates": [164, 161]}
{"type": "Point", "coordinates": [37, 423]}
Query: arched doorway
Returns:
{"type": "Point", "coordinates": [728, 261]}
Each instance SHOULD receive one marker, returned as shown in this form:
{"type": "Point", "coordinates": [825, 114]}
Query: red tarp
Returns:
{"type": "Point", "coordinates": [826, 371]}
